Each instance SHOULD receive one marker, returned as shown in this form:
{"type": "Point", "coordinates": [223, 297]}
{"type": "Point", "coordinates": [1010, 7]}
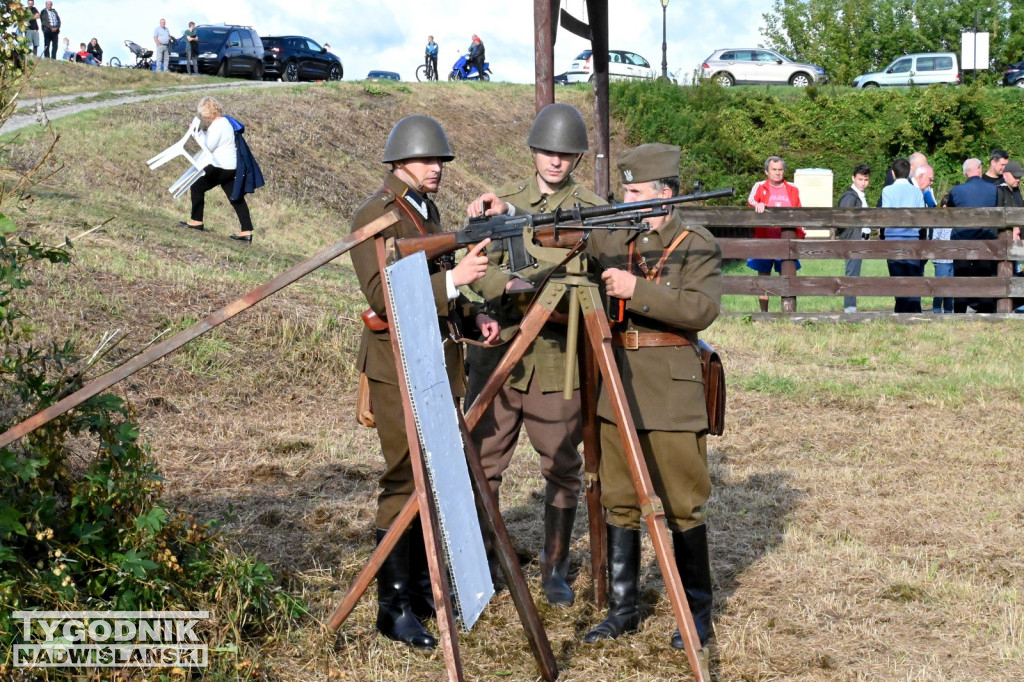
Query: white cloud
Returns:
{"type": "Point", "coordinates": [390, 34]}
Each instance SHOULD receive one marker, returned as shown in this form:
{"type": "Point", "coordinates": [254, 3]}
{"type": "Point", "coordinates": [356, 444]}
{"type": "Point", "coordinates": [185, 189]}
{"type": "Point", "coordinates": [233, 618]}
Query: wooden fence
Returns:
{"type": "Point", "coordinates": [729, 221]}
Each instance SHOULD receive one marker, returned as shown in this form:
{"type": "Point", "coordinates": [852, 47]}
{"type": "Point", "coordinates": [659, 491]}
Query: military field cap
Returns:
{"type": "Point", "coordinates": [650, 162]}
{"type": "Point", "coordinates": [1014, 168]}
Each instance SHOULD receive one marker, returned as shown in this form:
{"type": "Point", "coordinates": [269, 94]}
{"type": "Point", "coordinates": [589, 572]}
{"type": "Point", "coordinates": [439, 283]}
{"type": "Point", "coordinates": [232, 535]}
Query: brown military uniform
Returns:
{"type": "Point", "coordinates": [663, 384]}
{"type": "Point", "coordinates": [375, 353]}
{"type": "Point", "coordinates": [533, 394]}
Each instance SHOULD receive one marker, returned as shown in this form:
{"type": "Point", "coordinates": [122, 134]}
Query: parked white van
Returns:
{"type": "Point", "coordinates": [925, 68]}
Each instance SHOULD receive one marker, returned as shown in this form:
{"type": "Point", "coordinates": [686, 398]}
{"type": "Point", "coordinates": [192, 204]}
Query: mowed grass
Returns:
{"type": "Point", "coordinates": [866, 514]}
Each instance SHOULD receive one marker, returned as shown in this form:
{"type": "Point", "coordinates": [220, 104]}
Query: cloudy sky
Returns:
{"type": "Point", "coordinates": [390, 34]}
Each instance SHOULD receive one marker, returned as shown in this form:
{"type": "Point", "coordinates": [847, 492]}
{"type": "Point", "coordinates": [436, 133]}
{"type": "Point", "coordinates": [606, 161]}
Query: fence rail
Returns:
{"type": "Point", "coordinates": [732, 221]}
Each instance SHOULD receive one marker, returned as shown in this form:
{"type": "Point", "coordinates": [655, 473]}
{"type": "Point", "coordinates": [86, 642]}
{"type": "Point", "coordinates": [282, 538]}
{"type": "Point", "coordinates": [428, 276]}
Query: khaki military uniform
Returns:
{"type": "Point", "coordinates": [532, 397]}
{"type": "Point", "coordinates": [663, 384]}
{"type": "Point", "coordinates": [376, 357]}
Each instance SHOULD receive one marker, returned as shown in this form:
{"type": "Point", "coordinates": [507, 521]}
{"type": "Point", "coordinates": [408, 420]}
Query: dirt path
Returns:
{"type": "Point", "coordinates": [42, 111]}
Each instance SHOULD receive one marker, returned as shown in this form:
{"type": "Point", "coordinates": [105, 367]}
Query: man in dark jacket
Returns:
{"type": "Point", "coordinates": [49, 21]}
{"type": "Point", "coordinates": [974, 192]}
{"type": "Point", "coordinates": [476, 57]}
{"type": "Point", "coordinates": [854, 197]}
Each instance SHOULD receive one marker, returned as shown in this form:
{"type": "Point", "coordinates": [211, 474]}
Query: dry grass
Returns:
{"type": "Point", "coordinates": [866, 517]}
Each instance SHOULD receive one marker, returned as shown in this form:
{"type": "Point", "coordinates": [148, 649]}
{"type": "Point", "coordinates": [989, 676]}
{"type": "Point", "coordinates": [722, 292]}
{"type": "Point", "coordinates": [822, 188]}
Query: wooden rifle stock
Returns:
{"type": "Point", "coordinates": [437, 245]}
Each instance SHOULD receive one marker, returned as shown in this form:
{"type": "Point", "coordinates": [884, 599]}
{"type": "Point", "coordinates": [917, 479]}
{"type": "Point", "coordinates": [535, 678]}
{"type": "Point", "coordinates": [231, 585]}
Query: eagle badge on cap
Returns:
{"type": "Point", "coordinates": [628, 174]}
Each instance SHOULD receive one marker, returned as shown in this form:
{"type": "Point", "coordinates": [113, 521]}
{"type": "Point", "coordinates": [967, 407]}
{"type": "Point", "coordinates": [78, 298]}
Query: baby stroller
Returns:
{"type": "Point", "coordinates": [143, 57]}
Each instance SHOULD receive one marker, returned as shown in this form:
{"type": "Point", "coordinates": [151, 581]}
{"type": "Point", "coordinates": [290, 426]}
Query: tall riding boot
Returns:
{"type": "Point", "coordinates": [395, 618]}
{"type": "Point", "coordinates": [421, 591]}
{"type": "Point", "coordinates": [623, 587]}
{"type": "Point", "coordinates": [694, 564]}
{"type": "Point", "coordinates": [554, 558]}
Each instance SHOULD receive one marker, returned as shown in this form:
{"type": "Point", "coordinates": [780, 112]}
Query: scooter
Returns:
{"type": "Point", "coordinates": [459, 71]}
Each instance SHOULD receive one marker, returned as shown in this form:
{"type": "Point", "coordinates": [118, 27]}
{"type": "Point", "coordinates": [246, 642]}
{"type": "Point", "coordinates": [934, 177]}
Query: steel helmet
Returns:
{"type": "Point", "coordinates": [417, 137]}
{"type": "Point", "coordinates": [559, 128]}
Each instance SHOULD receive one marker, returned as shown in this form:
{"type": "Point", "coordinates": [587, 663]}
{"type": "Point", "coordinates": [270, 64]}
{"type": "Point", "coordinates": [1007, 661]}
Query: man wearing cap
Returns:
{"type": "Point", "coordinates": [532, 396]}
{"type": "Point", "coordinates": [671, 282]}
{"type": "Point", "coordinates": [416, 150]}
{"type": "Point", "coordinates": [1010, 195]}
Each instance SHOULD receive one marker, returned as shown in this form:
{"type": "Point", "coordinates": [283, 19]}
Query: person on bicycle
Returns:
{"type": "Point", "coordinates": [431, 59]}
{"type": "Point", "coordinates": [476, 57]}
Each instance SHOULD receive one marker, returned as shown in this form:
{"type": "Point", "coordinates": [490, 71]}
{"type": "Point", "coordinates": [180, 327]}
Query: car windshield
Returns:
{"type": "Point", "coordinates": [212, 35]}
{"type": "Point", "coordinates": [584, 55]}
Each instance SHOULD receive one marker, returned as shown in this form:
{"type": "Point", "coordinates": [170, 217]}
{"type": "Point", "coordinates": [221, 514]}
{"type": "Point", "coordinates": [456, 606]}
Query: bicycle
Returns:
{"type": "Point", "coordinates": [426, 71]}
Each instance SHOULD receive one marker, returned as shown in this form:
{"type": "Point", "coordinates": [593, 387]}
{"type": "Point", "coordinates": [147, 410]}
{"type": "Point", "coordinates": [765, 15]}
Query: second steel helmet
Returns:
{"type": "Point", "coordinates": [417, 137]}
{"type": "Point", "coordinates": [559, 128]}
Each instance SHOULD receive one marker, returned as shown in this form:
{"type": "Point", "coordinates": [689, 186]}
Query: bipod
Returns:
{"type": "Point", "coordinates": [422, 503]}
{"type": "Point", "coordinates": [585, 300]}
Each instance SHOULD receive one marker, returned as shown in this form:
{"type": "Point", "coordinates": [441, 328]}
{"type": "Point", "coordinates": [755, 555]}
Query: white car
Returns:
{"type": "Point", "coordinates": [621, 65]}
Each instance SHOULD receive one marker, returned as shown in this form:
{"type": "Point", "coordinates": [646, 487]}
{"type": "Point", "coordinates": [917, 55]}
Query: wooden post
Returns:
{"type": "Point", "coordinates": [544, 27]}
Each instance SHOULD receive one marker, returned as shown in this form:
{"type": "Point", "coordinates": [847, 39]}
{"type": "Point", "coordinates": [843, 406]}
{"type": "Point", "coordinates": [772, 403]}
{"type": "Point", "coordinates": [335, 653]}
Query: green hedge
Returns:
{"type": "Point", "coordinates": [727, 133]}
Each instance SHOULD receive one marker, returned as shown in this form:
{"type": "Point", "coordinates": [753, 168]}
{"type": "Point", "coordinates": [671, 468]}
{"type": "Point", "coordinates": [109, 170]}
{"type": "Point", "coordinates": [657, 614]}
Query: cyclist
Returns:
{"type": "Point", "coordinates": [431, 59]}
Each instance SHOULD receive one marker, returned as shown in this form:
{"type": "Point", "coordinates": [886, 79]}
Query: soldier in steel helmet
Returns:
{"type": "Point", "coordinates": [416, 152]}
{"type": "Point", "coordinates": [671, 281]}
{"type": "Point", "coordinates": [532, 396]}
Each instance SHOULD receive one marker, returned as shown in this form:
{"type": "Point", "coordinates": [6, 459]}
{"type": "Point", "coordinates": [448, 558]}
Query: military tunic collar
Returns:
{"type": "Point", "coordinates": [539, 202]}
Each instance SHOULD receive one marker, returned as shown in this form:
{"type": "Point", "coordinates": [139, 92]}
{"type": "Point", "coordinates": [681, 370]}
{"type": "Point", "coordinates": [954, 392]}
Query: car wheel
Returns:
{"type": "Point", "coordinates": [1020, 83]}
{"type": "Point", "coordinates": [725, 80]}
{"type": "Point", "coordinates": [800, 80]}
{"type": "Point", "coordinates": [257, 73]}
{"type": "Point", "coordinates": [291, 72]}
{"type": "Point", "coordinates": [224, 69]}
{"type": "Point", "coordinates": [335, 73]}
{"type": "Point", "coordinates": [870, 85]}
{"type": "Point", "coordinates": [486, 76]}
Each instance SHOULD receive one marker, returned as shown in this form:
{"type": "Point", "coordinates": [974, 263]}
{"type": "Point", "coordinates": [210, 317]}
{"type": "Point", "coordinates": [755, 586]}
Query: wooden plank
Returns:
{"type": "Point", "coordinates": [992, 249]}
{"type": "Point", "coordinates": [839, 218]}
{"type": "Point", "coordinates": [989, 287]}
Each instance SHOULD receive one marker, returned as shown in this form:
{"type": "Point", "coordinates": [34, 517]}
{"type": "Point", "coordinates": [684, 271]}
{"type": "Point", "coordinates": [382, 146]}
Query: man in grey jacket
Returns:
{"type": "Point", "coordinates": [854, 197]}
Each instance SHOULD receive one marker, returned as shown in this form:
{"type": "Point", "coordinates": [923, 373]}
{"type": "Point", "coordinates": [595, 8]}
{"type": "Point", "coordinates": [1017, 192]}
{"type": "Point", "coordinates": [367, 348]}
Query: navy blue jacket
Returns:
{"type": "Point", "coordinates": [974, 193]}
{"type": "Point", "coordinates": [248, 176]}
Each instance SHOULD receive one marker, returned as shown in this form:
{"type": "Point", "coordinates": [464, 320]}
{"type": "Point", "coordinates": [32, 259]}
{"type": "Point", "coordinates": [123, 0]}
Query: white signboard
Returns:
{"type": "Point", "coordinates": [437, 423]}
{"type": "Point", "coordinates": [973, 51]}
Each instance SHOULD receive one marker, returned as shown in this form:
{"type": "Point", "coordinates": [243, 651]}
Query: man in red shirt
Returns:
{"type": "Point", "coordinates": [775, 192]}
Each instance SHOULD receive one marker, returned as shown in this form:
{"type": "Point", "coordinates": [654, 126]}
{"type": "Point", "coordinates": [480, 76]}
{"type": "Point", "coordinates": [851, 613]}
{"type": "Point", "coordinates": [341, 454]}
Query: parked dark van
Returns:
{"type": "Point", "coordinates": [224, 50]}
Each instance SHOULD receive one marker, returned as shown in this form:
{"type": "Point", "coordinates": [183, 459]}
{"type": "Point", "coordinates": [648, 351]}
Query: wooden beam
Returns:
{"type": "Point", "coordinates": [987, 287]}
{"type": "Point", "coordinates": [838, 218]}
{"type": "Point", "coordinates": [859, 249]}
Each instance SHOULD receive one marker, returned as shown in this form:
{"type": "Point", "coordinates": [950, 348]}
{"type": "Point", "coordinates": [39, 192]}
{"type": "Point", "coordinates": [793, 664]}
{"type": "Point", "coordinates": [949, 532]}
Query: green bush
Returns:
{"type": "Point", "coordinates": [727, 133]}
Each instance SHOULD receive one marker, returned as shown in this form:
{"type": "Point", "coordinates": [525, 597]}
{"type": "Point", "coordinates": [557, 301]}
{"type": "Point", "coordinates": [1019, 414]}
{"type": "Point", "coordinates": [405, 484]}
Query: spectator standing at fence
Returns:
{"type": "Point", "coordinates": [32, 30]}
{"type": "Point", "coordinates": [775, 192]}
{"type": "Point", "coordinates": [854, 197]}
{"type": "Point", "coordinates": [161, 38]}
{"type": "Point", "coordinates": [903, 194]}
{"type": "Point", "coordinates": [974, 192]}
{"type": "Point", "coordinates": [1009, 194]}
{"type": "Point", "coordinates": [49, 22]}
{"type": "Point", "coordinates": [997, 161]}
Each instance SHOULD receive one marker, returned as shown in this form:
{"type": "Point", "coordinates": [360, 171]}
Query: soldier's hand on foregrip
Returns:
{"type": "Point", "coordinates": [472, 267]}
{"type": "Point", "coordinates": [619, 283]}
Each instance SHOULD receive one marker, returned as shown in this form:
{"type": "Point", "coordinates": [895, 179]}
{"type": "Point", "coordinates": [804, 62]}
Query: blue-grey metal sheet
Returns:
{"type": "Point", "coordinates": [422, 360]}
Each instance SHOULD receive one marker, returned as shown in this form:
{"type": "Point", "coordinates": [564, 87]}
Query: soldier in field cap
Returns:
{"type": "Point", "coordinates": [670, 280]}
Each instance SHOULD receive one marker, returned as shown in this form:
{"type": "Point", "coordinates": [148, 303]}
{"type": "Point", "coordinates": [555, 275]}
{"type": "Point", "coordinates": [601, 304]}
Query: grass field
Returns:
{"type": "Point", "coordinates": [866, 520]}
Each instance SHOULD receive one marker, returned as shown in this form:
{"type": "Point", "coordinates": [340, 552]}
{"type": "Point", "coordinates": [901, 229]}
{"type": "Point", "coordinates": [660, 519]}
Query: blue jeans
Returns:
{"type": "Point", "coordinates": [942, 305]}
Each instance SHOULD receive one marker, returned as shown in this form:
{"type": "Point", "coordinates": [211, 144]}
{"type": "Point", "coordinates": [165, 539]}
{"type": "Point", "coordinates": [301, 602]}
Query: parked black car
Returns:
{"type": "Point", "coordinates": [377, 75]}
{"type": "Point", "coordinates": [295, 58]}
{"type": "Point", "coordinates": [224, 50]}
{"type": "Point", "coordinates": [1014, 75]}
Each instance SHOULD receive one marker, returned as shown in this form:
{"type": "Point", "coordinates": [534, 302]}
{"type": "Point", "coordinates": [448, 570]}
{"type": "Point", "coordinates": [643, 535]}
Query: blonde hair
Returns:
{"type": "Point", "coordinates": [209, 108]}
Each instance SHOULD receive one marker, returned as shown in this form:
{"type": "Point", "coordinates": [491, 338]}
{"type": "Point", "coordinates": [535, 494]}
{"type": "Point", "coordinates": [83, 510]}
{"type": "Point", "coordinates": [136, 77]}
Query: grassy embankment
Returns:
{"type": "Point", "coordinates": [866, 516]}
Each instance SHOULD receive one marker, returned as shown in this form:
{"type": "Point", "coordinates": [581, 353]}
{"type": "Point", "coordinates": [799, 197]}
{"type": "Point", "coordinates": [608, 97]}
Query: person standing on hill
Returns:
{"type": "Point", "coordinates": [532, 396]}
{"type": "Point", "coordinates": [430, 55]}
{"type": "Point", "coordinates": [854, 197]}
{"type": "Point", "coordinates": [416, 151]}
{"type": "Point", "coordinates": [32, 29]}
{"type": "Point", "coordinates": [773, 191]}
{"type": "Point", "coordinates": [161, 39]}
{"type": "Point", "coordinates": [49, 22]}
{"type": "Point", "coordinates": [656, 352]}
{"type": "Point", "coordinates": [191, 49]}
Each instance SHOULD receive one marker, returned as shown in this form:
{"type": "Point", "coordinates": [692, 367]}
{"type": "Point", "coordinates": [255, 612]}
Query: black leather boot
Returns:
{"type": "Point", "coordinates": [395, 618]}
{"type": "Point", "coordinates": [554, 558]}
{"type": "Point", "coordinates": [421, 592]}
{"type": "Point", "coordinates": [623, 587]}
{"type": "Point", "coordinates": [694, 564]}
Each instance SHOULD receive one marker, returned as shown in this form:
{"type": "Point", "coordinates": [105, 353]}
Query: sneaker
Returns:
{"type": "Point", "coordinates": [850, 309]}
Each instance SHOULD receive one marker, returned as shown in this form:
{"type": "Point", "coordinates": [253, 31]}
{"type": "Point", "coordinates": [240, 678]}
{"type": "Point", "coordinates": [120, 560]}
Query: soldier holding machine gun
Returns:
{"type": "Point", "coordinates": [670, 280]}
{"type": "Point", "coordinates": [532, 396]}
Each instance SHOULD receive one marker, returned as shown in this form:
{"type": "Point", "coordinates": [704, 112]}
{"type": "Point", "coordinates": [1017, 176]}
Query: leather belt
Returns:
{"type": "Point", "coordinates": [634, 340]}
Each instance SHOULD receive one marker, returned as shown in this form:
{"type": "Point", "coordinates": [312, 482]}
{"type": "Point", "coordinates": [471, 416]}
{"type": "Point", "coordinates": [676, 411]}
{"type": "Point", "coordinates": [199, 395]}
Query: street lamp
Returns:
{"type": "Point", "coordinates": [664, 43]}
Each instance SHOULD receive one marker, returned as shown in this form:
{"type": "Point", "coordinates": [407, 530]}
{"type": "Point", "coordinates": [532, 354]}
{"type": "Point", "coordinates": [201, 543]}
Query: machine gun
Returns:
{"type": "Point", "coordinates": [561, 228]}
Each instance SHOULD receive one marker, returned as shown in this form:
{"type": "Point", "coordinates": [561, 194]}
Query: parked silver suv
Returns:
{"type": "Point", "coordinates": [740, 66]}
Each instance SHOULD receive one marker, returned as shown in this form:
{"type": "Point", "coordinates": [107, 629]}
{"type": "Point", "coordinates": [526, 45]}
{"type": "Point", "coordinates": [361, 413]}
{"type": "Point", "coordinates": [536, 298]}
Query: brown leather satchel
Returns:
{"type": "Point", "coordinates": [714, 387]}
{"type": "Point", "coordinates": [364, 406]}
